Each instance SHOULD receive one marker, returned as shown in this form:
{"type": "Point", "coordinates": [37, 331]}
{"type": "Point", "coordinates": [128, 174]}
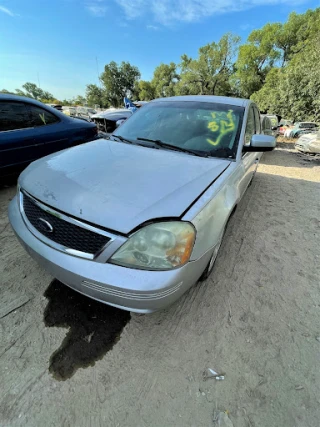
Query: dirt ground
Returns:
{"type": "Point", "coordinates": [257, 319]}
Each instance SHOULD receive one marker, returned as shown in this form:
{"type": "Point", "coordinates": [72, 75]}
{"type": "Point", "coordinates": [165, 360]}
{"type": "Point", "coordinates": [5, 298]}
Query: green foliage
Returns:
{"type": "Point", "coordinates": [119, 81]}
{"type": "Point", "coordinates": [5, 91]}
{"type": "Point", "coordinates": [96, 96]}
{"type": "Point", "coordinates": [165, 78]}
{"type": "Point", "coordinates": [294, 91]}
{"type": "Point", "coordinates": [33, 91]}
{"type": "Point", "coordinates": [144, 91]}
{"type": "Point", "coordinates": [209, 74]}
{"type": "Point", "coordinates": [274, 45]}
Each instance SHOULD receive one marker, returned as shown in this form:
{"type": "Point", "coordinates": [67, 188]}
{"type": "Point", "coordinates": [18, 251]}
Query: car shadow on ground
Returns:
{"type": "Point", "coordinates": [94, 328]}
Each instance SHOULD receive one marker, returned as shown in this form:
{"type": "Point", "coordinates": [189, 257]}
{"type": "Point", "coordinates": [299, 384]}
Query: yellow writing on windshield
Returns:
{"type": "Point", "coordinates": [222, 122]}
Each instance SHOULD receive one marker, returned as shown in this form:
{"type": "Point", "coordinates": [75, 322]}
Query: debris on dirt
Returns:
{"type": "Point", "coordinates": [89, 337]}
{"type": "Point", "coordinates": [210, 373]}
{"type": "Point", "coordinates": [299, 387]}
{"type": "Point", "coordinates": [221, 419]}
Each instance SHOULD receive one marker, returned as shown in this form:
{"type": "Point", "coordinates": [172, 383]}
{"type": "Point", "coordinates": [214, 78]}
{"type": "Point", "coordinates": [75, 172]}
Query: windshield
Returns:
{"type": "Point", "coordinates": [206, 128]}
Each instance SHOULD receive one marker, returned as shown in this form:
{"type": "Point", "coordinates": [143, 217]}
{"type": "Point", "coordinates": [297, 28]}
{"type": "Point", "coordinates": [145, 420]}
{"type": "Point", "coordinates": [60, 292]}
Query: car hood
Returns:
{"type": "Point", "coordinates": [109, 113]}
{"type": "Point", "coordinates": [309, 137]}
{"type": "Point", "coordinates": [120, 186]}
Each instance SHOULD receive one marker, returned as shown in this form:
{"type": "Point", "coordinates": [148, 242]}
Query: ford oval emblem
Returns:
{"type": "Point", "coordinates": [45, 225]}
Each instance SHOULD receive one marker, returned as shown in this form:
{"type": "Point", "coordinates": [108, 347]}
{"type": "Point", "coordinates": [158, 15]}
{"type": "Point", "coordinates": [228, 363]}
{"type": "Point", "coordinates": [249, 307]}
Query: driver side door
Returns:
{"type": "Point", "coordinates": [250, 160]}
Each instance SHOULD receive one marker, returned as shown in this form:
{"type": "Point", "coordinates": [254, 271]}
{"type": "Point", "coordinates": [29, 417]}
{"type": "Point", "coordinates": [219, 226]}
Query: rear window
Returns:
{"type": "Point", "coordinates": [14, 116]}
{"type": "Point", "coordinates": [308, 125]}
{"type": "Point", "coordinates": [41, 117]}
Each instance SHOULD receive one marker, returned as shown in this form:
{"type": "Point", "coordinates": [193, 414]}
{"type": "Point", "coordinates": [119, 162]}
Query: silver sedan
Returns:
{"type": "Point", "coordinates": [135, 220]}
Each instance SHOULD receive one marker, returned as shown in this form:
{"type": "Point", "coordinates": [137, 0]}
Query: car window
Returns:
{"type": "Point", "coordinates": [266, 124]}
{"type": "Point", "coordinates": [41, 117]}
{"type": "Point", "coordinates": [250, 128]}
{"type": "Point", "coordinates": [274, 121]}
{"type": "Point", "coordinates": [257, 120]}
{"type": "Point", "coordinates": [14, 116]}
{"type": "Point", "coordinates": [203, 127]}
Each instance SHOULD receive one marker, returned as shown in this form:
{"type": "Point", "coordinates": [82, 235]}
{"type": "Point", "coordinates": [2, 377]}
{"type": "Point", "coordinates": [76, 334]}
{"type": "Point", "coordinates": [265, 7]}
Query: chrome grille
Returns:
{"type": "Point", "coordinates": [64, 233]}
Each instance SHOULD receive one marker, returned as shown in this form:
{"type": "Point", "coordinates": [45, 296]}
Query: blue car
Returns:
{"type": "Point", "coordinates": [30, 130]}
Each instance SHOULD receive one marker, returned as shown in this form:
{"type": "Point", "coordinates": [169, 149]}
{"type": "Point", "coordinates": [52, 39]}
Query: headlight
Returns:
{"type": "Point", "coordinates": [159, 246]}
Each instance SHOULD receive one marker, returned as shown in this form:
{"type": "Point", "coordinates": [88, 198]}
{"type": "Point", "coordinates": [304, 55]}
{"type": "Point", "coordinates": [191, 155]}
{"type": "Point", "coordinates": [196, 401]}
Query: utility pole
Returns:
{"type": "Point", "coordinates": [99, 81]}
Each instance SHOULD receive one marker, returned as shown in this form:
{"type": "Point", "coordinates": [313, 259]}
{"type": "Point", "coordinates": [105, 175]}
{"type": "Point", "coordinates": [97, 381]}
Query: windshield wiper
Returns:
{"type": "Point", "coordinates": [122, 139]}
{"type": "Point", "coordinates": [160, 143]}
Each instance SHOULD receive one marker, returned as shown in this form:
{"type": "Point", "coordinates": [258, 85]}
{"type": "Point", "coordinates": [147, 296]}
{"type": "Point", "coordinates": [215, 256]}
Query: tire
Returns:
{"type": "Point", "coordinates": [211, 263]}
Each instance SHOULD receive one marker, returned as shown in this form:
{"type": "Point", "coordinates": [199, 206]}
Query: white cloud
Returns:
{"type": "Point", "coordinates": [152, 27]}
{"type": "Point", "coordinates": [168, 12]}
{"type": "Point", "coordinates": [6, 10]}
{"type": "Point", "coordinates": [96, 8]}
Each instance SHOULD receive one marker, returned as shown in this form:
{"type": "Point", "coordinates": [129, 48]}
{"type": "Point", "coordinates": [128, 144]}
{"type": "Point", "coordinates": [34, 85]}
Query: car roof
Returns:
{"type": "Point", "coordinates": [208, 98]}
{"type": "Point", "coordinates": [10, 97]}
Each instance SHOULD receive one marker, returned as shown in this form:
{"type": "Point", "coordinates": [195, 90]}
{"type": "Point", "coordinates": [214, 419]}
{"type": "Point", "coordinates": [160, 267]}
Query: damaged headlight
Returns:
{"type": "Point", "coordinates": [159, 246]}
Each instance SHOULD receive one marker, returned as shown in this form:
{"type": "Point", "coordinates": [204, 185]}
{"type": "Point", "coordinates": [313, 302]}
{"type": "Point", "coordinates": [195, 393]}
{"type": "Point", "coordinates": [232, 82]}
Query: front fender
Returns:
{"type": "Point", "coordinates": [212, 211]}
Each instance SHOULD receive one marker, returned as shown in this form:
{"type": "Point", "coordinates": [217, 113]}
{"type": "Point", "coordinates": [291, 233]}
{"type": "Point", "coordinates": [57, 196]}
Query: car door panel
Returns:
{"type": "Point", "coordinates": [17, 142]}
{"type": "Point", "coordinates": [248, 160]}
{"type": "Point", "coordinates": [49, 131]}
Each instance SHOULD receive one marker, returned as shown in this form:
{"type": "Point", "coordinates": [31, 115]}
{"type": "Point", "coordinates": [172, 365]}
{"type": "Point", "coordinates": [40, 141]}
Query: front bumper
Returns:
{"type": "Point", "coordinates": [139, 291]}
{"type": "Point", "coordinates": [310, 147]}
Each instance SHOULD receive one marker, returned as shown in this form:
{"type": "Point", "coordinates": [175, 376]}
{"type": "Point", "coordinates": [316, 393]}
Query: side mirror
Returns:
{"type": "Point", "coordinates": [119, 122]}
{"type": "Point", "coordinates": [275, 127]}
{"type": "Point", "coordinates": [260, 143]}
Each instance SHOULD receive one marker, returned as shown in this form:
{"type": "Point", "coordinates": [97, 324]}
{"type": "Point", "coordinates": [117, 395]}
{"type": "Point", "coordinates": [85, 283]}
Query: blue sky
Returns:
{"type": "Point", "coordinates": [59, 40]}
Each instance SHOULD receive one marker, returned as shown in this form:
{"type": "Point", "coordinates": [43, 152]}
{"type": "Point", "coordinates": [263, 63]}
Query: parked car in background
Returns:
{"type": "Point", "coordinates": [56, 106]}
{"type": "Point", "coordinates": [284, 125]}
{"type": "Point", "coordinates": [85, 113]}
{"type": "Point", "coordinates": [69, 111]}
{"type": "Point", "coordinates": [30, 130]}
{"type": "Point", "coordinates": [274, 122]}
{"type": "Point", "coordinates": [107, 121]}
{"type": "Point", "coordinates": [134, 221]}
{"type": "Point", "coordinates": [301, 128]}
{"type": "Point", "coordinates": [266, 126]}
{"type": "Point", "coordinates": [309, 143]}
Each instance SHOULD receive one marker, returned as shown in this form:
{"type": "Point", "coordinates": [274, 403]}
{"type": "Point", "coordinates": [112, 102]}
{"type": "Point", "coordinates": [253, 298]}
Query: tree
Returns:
{"type": "Point", "coordinates": [21, 93]}
{"type": "Point", "coordinates": [274, 45]}
{"type": "Point", "coordinates": [33, 91]}
{"type": "Point", "coordinates": [79, 100]}
{"type": "Point", "coordinates": [96, 96]}
{"type": "Point", "coordinates": [165, 78]}
{"type": "Point", "coordinates": [295, 34]}
{"type": "Point", "coordinates": [119, 81]}
{"type": "Point", "coordinates": [294, 91]}
{"type": "Point", "coordinates": [6, 91]}
{"type": "Point", "coordinates": [256, 58]}
{"type": "Point", "coordinates": [145, 91]}
{"type": "Point", "coordinates": [210, 72]}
